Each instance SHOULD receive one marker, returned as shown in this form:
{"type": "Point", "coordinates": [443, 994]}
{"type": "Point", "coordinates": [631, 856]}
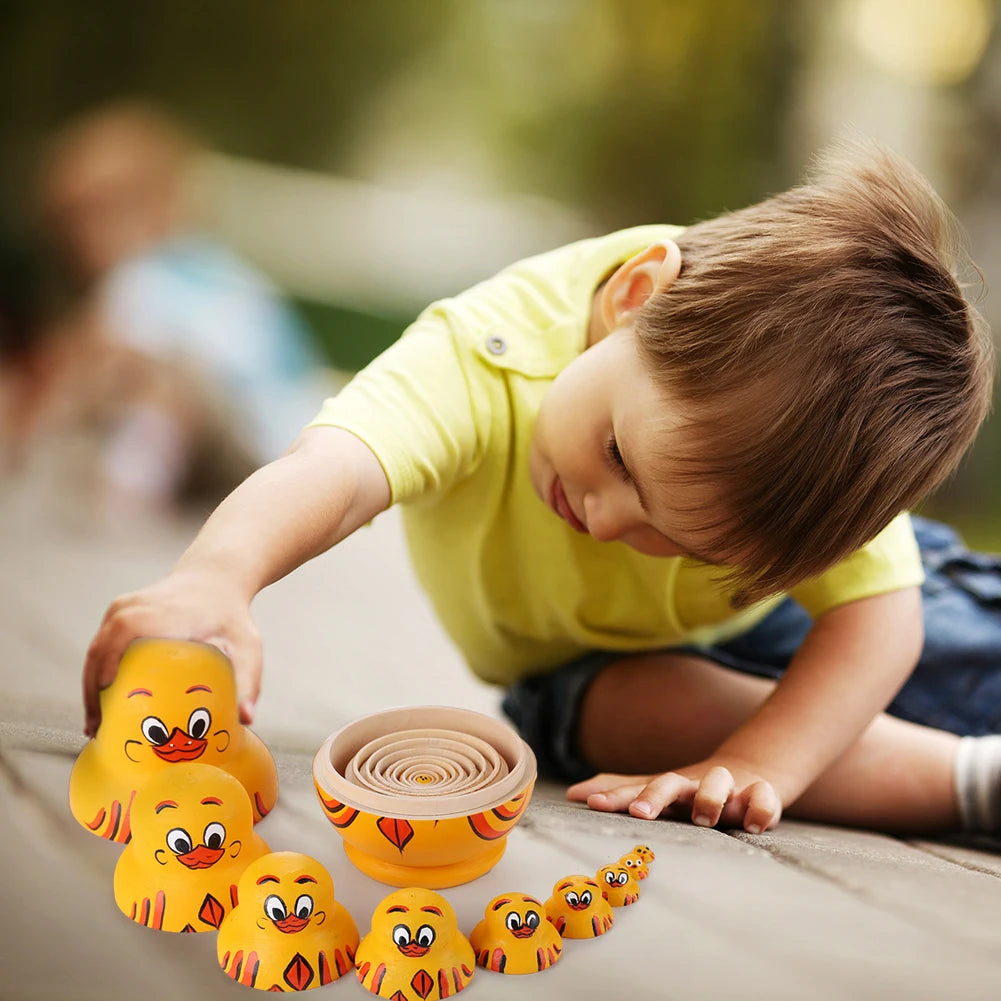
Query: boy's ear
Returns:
{"type": "Point", "coordinates": [634, 282]}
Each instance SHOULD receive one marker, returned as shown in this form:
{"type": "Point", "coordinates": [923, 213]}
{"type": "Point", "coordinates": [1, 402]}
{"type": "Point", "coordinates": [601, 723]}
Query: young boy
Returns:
{"type": "Point", "coordinates": [618, 459]}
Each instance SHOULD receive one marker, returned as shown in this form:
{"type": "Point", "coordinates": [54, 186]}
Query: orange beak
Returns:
{"type": "Point", "coordinates": [291, 924]}
{"type": "Point", "coordinates": [201, 857]}
{"type": "Point", "coordinates": [180, 747]}
{"type": "Point", "coordinates": [413, 950]}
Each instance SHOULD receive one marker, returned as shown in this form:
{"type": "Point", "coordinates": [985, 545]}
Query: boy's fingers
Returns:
{"type": "Point", "coordinates": [600, 783]}
{"type": "Point", "coordinates": [763, 808]}
{"type": "Point", "coordinates": [660, 793]}
{"type": "Point", "coordinates": [714, 790]}
{"type": "Point", "coordinates": [614, 800]}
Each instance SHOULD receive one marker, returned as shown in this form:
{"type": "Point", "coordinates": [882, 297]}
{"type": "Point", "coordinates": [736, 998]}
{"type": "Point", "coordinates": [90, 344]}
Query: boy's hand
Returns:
{"type": "Point", "coordinates": [185, 605]}
{"type": "Point", "coordinates": [710, 791]}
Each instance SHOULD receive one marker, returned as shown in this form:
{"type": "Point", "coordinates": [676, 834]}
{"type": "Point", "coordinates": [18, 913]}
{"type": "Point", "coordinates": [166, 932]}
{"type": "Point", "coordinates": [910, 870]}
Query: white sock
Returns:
{"type": "Point", "coordinates": [978, 783]}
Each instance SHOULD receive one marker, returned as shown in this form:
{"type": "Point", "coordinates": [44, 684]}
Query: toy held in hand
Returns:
{"type": "Point", "coordinates": [577, 908]}
{"type": "Point", "coordinates": [618, 886]}
{"type": "Point", "coordinates": [515, 937]}
{"type": "Point", "coordinates": [287, 932]}
{"type": "Point", "coordinates": [193, 835]}
{"type": "Point", "coordinates": [415, 948]}
{"type": "Point", "coordinates": [171, 702]}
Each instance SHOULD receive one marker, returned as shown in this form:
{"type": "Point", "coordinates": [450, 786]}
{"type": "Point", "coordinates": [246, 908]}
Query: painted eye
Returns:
{"type": "Point", "coordinates": [199, 722]}
{"type": "Point", "coordinates": [532, 919]}
{"type": "Point", "coordinates": [155, 731]}
{"type": "Point", "coordinates": [304, 906]}
{"type": "Point", "coordinates": [513, 921]}
{"type": "Point", "coordinates": [610, 878]}
{"type": "Point", "coordinates": [572, 899]}
{"type": "Point", "coordinates": [623, 878]}
{"type": "Point", "coordinates": [179, 841]}
{"type": "Point", "coordinates": [424, 936]}
{"type": "Point", "coordinates": [274, 907]}
{"type": "Point", "coordinates": [629, 863]}
{"type": "Point", "coordinates": [401, 935]}
{"type": "Point", "coordinates": [585, 897]}
{"type": "Point", "coordinates": [215, 835]}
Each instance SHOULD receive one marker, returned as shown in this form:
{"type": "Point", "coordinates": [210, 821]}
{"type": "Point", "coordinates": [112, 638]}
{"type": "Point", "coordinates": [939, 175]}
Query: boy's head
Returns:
{"type": "Point", "coordinates": [816, 366]}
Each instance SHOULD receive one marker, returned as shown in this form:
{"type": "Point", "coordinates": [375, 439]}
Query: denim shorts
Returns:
{"type": "Point", "coordinates": [956, 685]}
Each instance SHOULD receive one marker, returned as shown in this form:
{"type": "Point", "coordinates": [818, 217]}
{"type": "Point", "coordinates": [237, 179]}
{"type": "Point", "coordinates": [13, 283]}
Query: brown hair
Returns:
{"type": "Point", "coordinates": [830, 365]}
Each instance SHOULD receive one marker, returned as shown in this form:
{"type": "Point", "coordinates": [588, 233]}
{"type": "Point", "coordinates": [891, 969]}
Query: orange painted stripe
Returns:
{"type": "Point", "coordinates": [158, 909]}
{"type": "Point", "coordinates": [98, 820]}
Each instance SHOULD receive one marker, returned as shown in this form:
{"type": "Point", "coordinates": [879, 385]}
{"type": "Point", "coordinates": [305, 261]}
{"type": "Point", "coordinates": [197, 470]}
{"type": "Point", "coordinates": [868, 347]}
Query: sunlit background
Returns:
{"type": "Point", "coordinates": [371, 156]}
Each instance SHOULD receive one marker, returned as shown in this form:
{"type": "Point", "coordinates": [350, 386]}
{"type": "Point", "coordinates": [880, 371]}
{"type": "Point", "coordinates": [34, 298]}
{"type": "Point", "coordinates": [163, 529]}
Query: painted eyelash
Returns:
{"type": "Point", "coordinates": [614, 457]}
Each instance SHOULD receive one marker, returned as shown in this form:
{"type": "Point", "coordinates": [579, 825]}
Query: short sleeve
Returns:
{"type": "Point", "coordinates": [413, 406]}
{"type": "Point", "coordinates": [890, 562]}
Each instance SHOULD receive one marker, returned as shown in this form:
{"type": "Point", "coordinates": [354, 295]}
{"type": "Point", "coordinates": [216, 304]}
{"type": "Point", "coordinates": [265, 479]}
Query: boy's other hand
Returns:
{"type": "Point", "coordinates": [711, 792]}
{"type": "Point", "coordinates": [185, 605]}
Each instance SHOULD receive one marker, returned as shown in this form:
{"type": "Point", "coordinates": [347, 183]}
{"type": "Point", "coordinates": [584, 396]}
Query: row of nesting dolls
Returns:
{"type": "Point", "coordinates": [195, 863]}
{"type": "Point", "coordinates": [287, 932]}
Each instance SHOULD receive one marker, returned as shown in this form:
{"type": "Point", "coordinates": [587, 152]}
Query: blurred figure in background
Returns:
{"type": "Point", "coordinates": [185, 362]}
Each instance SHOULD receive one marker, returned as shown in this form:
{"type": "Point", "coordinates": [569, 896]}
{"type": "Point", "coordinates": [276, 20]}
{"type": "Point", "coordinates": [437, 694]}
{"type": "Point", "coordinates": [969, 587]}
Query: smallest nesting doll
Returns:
{"type": "Point", "coordinates": [515, 937]}
{"type": "Point", "coordinates": [577, 908]}
{"type": "Point", "coordinates": [645, 852]}
{"type": "Point", "coordinates": [286, 932]}
{"type": "Point", "coordinates": [618, 886]}
{"type": "Point", "coordinates": [633, 861]}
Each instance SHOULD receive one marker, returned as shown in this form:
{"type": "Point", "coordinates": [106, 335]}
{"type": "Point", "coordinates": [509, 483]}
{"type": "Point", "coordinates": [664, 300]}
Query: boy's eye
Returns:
{"type": "Point", "coordinates": [614, 457]}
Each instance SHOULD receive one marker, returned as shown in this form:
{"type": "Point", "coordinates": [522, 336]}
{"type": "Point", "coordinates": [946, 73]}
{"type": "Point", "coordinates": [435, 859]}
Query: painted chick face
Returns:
{"type": "Point", "coordinates": [170, 702]}
{"type": "Point", "coordinates": [633, 861]}
{"type": "Point", "coordinates": [414, 945]}
{"type": "Point", "coordinates": [618, 886]}
{"type": "Point", "coordinates": [577, 908]}
{"type": "Point", "coordinates": [515, 937]}
{"type": "Point", "coordinates": [192, 816]}
{"type": "Point", "coordinates": [287, 893]}
{"type": "Point", "coordinates": [645, 852]}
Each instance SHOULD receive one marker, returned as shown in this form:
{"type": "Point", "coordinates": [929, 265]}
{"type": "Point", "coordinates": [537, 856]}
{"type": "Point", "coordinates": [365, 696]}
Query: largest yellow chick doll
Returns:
{"type": "Point", "coordinates": [172, 701]}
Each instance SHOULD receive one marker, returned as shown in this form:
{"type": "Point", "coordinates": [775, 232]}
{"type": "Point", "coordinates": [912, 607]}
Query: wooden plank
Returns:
{"type": "Point", "coordinates": [924, 888]}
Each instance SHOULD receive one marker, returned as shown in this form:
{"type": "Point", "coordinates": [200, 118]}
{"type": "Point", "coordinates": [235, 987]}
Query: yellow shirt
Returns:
{"type": "Point", "coordinates": [449, 411]}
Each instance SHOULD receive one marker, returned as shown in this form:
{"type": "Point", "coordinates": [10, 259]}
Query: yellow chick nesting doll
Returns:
{"type": "Point", "coordinates": [633, 861]}
{"type": "Point", "coordinates": [515, 937]}
{"type": "Point", "coordinates": [193, 836]}
{"type": "Point", "coordinates": [415, 949]}
{"type": "Point", "coordinates": [286, 932]}
{"type": "Point", "coordinates": [618, 886]}
{"type": "Point", "coordinates": [171, 702]}
{"type": "Point", "coordinates": [577, 908]}
{"type": "Point", "coordinates": [645, 852]}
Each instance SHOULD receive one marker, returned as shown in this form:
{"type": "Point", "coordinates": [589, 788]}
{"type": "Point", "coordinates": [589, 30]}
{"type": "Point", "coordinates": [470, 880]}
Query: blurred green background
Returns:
{"type": "Point", "coordinates": [372, 156]}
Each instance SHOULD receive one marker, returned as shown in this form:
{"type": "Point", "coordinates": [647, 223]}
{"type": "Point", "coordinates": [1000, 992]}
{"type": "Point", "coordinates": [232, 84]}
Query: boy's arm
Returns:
{"type": "Point", "coordinates": [328, 484]}
{"type": "Point", "coordinates": [848, 669]}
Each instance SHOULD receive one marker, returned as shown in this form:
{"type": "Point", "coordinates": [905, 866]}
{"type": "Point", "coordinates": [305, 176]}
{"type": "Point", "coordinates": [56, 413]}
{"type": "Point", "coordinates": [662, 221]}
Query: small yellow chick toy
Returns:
{"type": "Point", "coordinates": [515, 937]}
{"type": "Point", "coordinates": [172, 701]}
{"type": "Point", "coordinates": [577, 908]}
{"type": "Point", "coordinates": [618, 886]}
{"type": "Point", "coordinates": [192, 838]}
{"type": "Point", "coordinates": [415, 949]}
{"type": "Point", "coordinates": [645, 852]}
{"type": "Point", "coordinates": [633, 861]}
{"type": "Point", "coordinates": [286, 932]}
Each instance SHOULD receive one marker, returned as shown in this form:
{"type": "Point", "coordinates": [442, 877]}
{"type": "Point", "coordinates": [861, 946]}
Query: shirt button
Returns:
{"type": "Point", "coordinates": [496, 345]}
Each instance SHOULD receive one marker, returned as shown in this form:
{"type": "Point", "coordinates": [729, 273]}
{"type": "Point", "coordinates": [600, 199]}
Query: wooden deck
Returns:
{"type": "Point", "coordinates": [805, 912]}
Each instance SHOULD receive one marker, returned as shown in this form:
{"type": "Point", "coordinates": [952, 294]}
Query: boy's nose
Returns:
{"type": "Point", "coordinates": [604, 522]}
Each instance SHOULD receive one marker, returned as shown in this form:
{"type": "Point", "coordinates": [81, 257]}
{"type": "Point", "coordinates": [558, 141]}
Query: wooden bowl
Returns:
{"type": "Point", "coordinates": [425, 795]}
